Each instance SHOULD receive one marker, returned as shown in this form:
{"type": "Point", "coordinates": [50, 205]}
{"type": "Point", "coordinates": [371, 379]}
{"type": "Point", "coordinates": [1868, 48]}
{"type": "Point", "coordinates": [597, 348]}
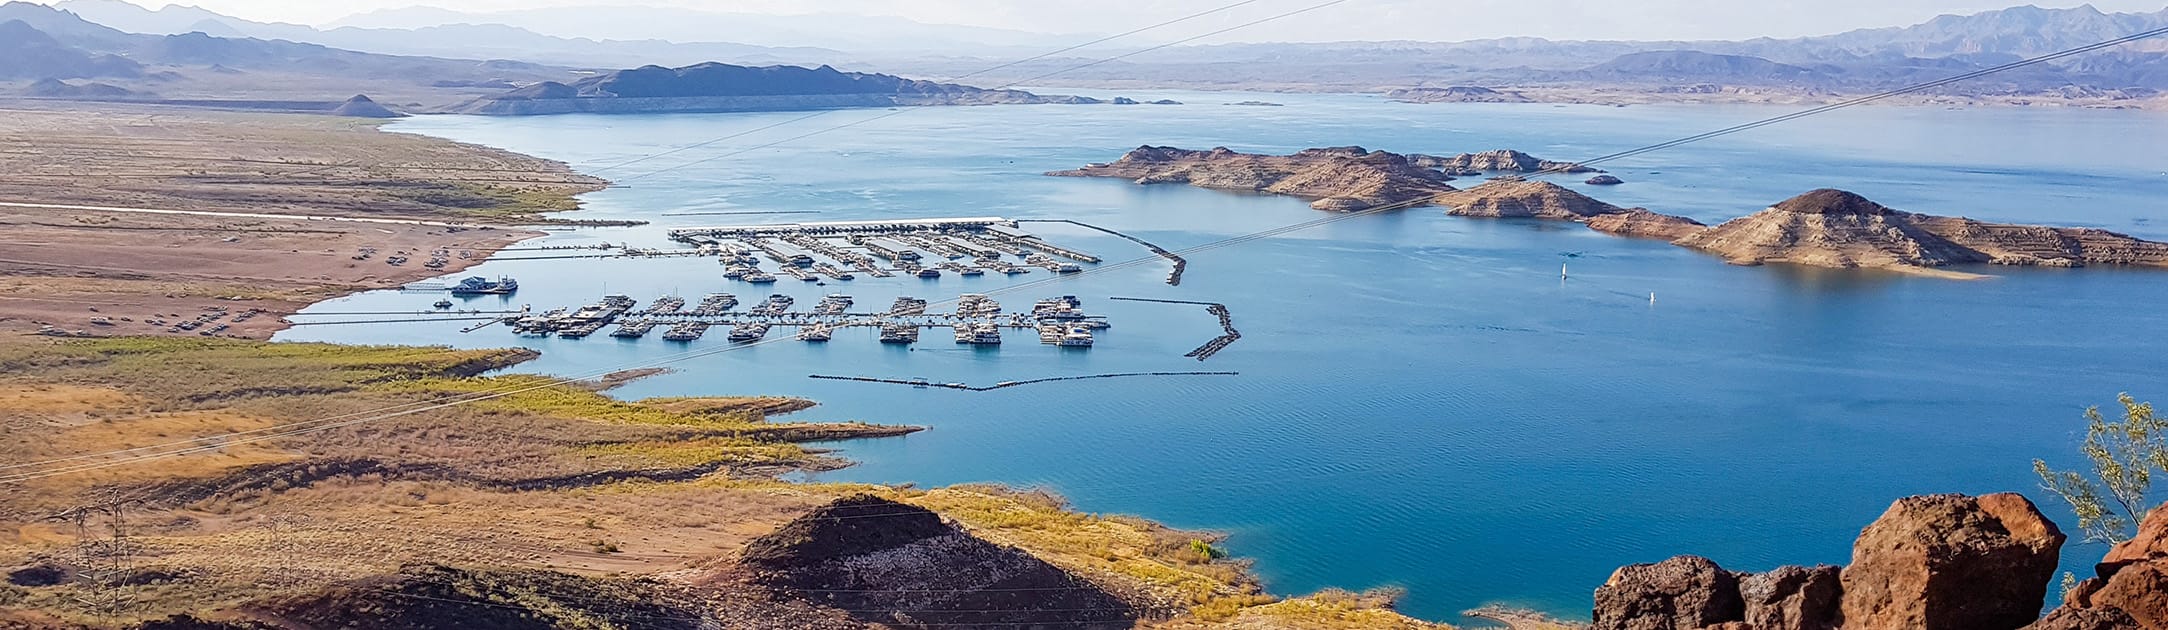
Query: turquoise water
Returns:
{"type": "Point", "coordinates": [1422, 401]}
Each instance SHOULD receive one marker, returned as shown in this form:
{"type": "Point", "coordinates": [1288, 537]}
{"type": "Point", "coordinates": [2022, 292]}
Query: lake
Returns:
{"type": "Point", "coordinates": [1422, 401]}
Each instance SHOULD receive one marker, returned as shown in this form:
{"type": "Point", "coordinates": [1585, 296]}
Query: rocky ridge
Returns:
{"type": "Point", "coordinates": [1337, 179]}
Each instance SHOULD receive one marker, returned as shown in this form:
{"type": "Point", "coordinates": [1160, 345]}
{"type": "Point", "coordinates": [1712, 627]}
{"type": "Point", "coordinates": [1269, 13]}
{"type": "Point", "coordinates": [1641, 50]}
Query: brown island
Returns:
{"type": "Point", "coordinates": [1823, 228]}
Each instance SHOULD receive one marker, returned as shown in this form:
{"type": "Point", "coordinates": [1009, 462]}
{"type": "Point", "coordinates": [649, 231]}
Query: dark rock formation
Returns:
{"type": "Point", "coordinates": [1834, 228]}
{"type": "Point", "coordinates": [1792, 598]}
{"type": "Point", "coordinates": [720, 87]}
{"type": "Point", "coordinates": [1683, 593]}
{"type": "Point", "coordinates": [1642, 223]}
{"type": "Point", "coordinates": [360, 106]}
{"type": "Point", "coordinates": [1337, 179]}
{"type": "Point", "coordinates": [191, 622]}
{"type": "Point", "coordinates": [37, 575]}
{"type": "Point", "coordinates": [2086, 619]}
{"type": "Point", "coordinates": [1692, 593]}
{"type": "Point", "coordinates": [1605, 180]}
{"type": "Point", "coordinates": [435, 597]}
{"type": "Point", "coordinates": [1941, 562]}
{"type": "Point", "coordinates": [901, 565]}
{"type": "Point", "coordinates": [1501, 160]}
{"type": "Point", "coordinates": [1951, 562]}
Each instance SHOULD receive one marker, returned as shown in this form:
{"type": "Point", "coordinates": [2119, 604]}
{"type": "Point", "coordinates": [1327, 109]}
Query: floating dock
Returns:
{"type": "Point", "coordinates": [842, 250]}
{"type": "Point", "coordinates": [977, 320]}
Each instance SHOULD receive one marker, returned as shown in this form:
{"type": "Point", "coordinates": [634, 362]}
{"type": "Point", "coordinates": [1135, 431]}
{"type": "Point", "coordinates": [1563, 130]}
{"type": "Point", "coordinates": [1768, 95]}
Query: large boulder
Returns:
{"type": "Point", "coordinates": [1792, 598]}
{"type": "Point", "coordinates": [1951, 562]}
{"type": "Point", "coordinates": [1683, 593]}
{"type": "Point", "coordinates": [2085, 619]}
{"type": "Point", "coordinates": [2131, 582]}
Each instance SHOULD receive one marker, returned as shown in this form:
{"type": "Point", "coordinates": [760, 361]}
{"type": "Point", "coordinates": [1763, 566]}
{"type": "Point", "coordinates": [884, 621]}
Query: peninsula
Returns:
{"type": "Point", "coordinates": [1822, 228]}
{"type": "Point", "coordinates": [1835, 228]}
{"type": "Point", "coordinates": [124, 219]}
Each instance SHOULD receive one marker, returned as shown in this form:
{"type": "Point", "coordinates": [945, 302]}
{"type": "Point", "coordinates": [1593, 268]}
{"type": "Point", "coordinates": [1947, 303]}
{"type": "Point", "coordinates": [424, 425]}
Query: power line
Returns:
{"type": "Point", "coordinates": [1004, 86]}
{"type": "Point", "coordinates": [298, 428]}
{"type": "Point", "coordinates": [254, 438]}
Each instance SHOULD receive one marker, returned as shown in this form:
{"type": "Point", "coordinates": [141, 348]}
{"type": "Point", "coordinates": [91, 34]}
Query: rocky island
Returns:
{"type": "Point", "coordinates": [1822, 228]}
{"type": "Point", "coordinates": [1500, 161]}
{"type": "Point", "coordinates": [1338, 179]}
{"type": "Point", "coordinates": [721, 87]}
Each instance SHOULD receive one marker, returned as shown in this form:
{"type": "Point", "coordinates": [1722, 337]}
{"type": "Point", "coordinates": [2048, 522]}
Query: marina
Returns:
{"type": "Point", "coordinates": [928, 249]}
{"type": "Point", "coordinates": [923, 383]}
{"type": "Point", "coordinates": [977, 320]}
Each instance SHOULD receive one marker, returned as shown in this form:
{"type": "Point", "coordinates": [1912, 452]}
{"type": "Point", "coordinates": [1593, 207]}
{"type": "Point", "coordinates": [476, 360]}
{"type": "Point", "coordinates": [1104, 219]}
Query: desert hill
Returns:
{"type": "Point", "coordinates": [1338, 179]}
{"type": "Point", "coordinates": [1835, 228]}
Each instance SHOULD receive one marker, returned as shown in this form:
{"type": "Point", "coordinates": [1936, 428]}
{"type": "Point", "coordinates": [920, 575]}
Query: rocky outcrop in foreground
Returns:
{"type": "Point", "coordinates": [1835, 228]}
{"type": "Point", "coordinates": [901, 565]}
{"type": "Point", "coordinates": [2129, 588]}
{"type": "Point", "coordinates": [1941, 562]}
{"type": "Point", "coordinates": [1337, 179]}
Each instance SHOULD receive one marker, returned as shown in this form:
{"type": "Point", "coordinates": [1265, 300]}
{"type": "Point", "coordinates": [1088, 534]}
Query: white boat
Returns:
{"type": "Point", "coordinates": [1077, 338]}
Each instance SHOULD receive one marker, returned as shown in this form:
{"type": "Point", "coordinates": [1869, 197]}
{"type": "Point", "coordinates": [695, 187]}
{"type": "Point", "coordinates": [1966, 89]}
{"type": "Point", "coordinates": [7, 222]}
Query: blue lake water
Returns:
{"type": "Point", "coordinates": [1422, 401]}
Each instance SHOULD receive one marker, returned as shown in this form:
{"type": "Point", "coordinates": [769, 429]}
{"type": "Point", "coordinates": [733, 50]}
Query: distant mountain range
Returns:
{"type": "Point", "coordinates": [43, 47]}
{"type": "Point", "coordinates": [468, 39]}
{"type": "Point", "coordinates": [859, 34]}
{"type": "Point", "coordinates": [1850, 62]}
{"type": "Point", "coordinates": [427, 59]}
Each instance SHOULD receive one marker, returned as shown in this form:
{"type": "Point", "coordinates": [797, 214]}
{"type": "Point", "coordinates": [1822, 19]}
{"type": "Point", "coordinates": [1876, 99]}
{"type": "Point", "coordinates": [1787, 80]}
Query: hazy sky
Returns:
{"type": "Point", "coordinates": [1356, 19]}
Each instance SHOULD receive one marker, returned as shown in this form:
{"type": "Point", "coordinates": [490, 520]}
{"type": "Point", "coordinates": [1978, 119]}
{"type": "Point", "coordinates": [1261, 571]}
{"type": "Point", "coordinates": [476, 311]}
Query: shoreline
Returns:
{"type": "Point", "coordinates": [1627, 96]}
{"type": "Point", "coordinates": [183, 226]}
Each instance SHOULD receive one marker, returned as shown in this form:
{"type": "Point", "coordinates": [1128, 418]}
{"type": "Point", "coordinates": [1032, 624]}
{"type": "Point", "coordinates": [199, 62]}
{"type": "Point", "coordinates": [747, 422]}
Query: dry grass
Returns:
{"type": "Point", "coordinates": [559, 478]}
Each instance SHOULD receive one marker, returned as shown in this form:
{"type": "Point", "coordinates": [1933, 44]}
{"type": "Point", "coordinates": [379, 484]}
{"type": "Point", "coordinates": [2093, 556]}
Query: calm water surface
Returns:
{"type": "Point", "coordinates": [1422, 401]}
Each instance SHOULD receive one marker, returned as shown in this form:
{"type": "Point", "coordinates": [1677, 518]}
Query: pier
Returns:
{"type": "Point", "coordinates": [1008, 384]}
{"type": "Point", "coordinates": [977, 320]}
{"type": "Point", "coordinates": [1226, 319]}
{"type": "Point", "coordinates": [1174, 278]}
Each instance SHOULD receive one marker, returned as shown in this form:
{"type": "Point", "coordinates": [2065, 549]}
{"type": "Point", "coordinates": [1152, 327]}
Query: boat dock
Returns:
{"type": "Point", "coordinates": [1226, 319]}
{"type": "Point", "coordinates": [977, 320]}
{"type": "Point", "coordinates": [923, 383]}
{"type": "Point", "coordinates": [840, 250]}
